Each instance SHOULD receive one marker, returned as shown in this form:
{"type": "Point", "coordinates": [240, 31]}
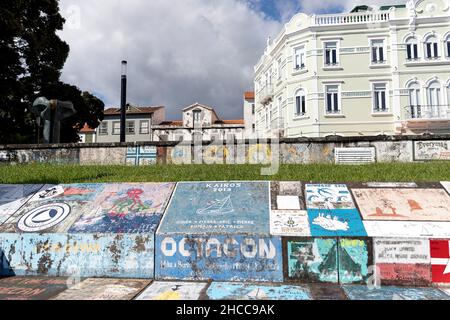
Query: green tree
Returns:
{"type": "Point", "coordinates": [32, 59]}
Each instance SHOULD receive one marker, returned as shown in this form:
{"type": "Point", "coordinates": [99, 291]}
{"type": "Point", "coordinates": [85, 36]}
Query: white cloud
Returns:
{"type": "Point", "coordinates": [179, 51]}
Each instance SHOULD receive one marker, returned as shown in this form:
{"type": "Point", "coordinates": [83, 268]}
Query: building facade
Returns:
{"type": "Point", "coordinates": [87, 135]}
{"type": "Point", "coordinates": [376, 70]}
{"type": "Point", "coordinates": [249, 114]}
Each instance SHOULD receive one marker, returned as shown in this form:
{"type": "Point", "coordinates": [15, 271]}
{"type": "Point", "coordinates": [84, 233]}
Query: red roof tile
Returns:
{"type": "Point", "coordinates": [87, 129]}
{"type": "Point", "coordinates": [249, 95]}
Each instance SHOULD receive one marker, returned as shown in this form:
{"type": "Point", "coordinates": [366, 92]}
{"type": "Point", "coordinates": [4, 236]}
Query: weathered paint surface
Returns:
{"type": "Point", "coordinates": [219, 257]}
{"type": "Point", "coordinates": [218, 207]}
{"type": "Point", "coordinates": [104, 289]}
{"type": "Point", "coordinates": [336, 223]}
{"type": "Point", "coordinates": [54, 209]}
{"type": "Point", "coordinates": [286, 196]}
{"type": "Point", "coordinates": [259, 154]}
{"type": "Point", "coordinates": [103, 156]}
{"type": "Point", "coordinates": [407, 229]}
{"type": "Point", "coordinates": [446, 185]}
{"type": "Point", "coordinates": [85, 255]}
{"type": "Point", "coordinates": [217, 154]}
{"type": "Point", "coordinates": [141, 155]}
{"type": "Point", "coordinates": [390, 184]}
{"type": "Point", "coordinates": [312, 260]}
{"type": "Point", "coordinates": [355, 292]}
{"type": "Point", "coordinates": [31, 288]}
{"type": "Point", "coordinates": [403, 261]}
{"type": "Point", "coordinates": [13, 197]}
{"type": "Point", "coordinates": [326, 292]}
{"type": "Point", "coordinates": [242, 291]}
{"type": "Point", "coordinates": [431, 150]}
{"type": "Point", "coordinates": [125, 208]}
{"type": "Point", "coordinates": [159, 290]}
{"type": "Point", "coordinates": [354, 260]}
{"type": "Point", "coordinates": [440, 261]}
{"type": "Point", "coordinates": [179, 154]}
{"type": "Point", "coordinates": [403, 204]}
{"type": "Point", "coordinates": [328, 196]}
{"type": "Point", "coordinates": [289, 223]}
{"type": "Point", "coordinates": [394, 151]}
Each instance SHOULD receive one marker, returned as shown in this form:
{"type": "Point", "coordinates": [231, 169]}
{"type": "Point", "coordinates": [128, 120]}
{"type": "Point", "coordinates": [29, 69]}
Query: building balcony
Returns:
{"type": "Point", "coordinates": [422, 117]}
{"type": "Point", "coordinates": [353, 18]}
{"type": "Point", "coordinates": [266, 94]}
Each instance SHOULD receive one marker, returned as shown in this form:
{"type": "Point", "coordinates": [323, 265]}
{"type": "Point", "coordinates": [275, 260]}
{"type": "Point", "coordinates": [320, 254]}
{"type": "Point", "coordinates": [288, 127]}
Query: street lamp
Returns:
{"type": "Point", "coordinates": [123, 101]}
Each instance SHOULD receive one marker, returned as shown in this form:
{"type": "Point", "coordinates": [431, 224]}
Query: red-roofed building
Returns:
{"type": "Point", "coordinates": [87, 134]}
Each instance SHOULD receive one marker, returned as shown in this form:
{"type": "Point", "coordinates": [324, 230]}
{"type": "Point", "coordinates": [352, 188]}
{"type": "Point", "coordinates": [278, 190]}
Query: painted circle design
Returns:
{"type": "Point", "coordinates": [44, 217]}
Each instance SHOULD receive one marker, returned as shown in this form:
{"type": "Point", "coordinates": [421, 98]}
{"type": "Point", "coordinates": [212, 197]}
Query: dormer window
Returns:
{"type": "Point", "coordinates": [431, 48]}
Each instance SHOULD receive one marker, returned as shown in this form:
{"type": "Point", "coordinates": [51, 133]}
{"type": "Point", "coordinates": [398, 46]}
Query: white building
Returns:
{"type": "Point", "coordinates": [376, 70]}
{"type": "Point", "coordinates": [249, 113]}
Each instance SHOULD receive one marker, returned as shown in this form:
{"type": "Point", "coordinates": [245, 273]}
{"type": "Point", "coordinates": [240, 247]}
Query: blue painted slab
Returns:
{"type": "Point", "coordinates": [84, 255]}
{"type": "Point", "coordinates": [393, 293]}
{"type": "Point", "coordinates": [141, 155]}
{"type": "Point", "coordinates": [218, 208]}
{"type": "Point", "coordinates": [336, 223]}
{"type": "Point", "coordinates": [241, 291]}
{"type": "Point", "coordinates": [218, 257]}
{"type": "Point", "coordinates": [126, 208]}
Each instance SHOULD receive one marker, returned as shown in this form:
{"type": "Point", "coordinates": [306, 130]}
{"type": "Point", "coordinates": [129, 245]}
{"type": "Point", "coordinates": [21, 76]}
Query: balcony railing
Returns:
{"type": "Point", "coordinates": [335, 19]}
{"type": "Point", "coordinates": [428, 112]}
{"type": "Point", "coordinates": [266, 94]}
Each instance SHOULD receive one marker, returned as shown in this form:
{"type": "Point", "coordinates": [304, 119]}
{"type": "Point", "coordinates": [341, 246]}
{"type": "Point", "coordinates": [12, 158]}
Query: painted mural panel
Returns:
{"type": "Point", "coordinates": [141, 155]}
{"type": "Point", "coordinates": [173, 291]}
{"type": "Point", "coordinates": [336, 222]}
{"type": "Point", "coordinates": [389, 250]}
{"type": "Point", "coordinates": [403, 204]}
{"type": "Point", "coordinates": [125, 208]}
{"type": "Point", "coordinates": [407, 229]}
{"type": "Point", "coordinates": [446, 185]}
{"type": "Point", "coordinates": [218, 257]}
{"type": "Point", "coordinates": [35, 288]}
{"type": "Point", "coordinates": [54, 209]}
{"type": "Point", "coordinates": [312, 260]}
{"type": "Point", "coordinates": [242, 291]}
{"type": "Point", "coordinates": [259, 154]}
{"type": "Point", "coordinates": [355, 257]}
{"type": "Point", "coordinates": [289, 223]}
{"type": "Point", "coordinates": [218, 207]}
{"type": "Point", "coordinates": [286, 196]}
{"type": "Point", "coordinates": [328, 196]}
{"type": "Point", "coordinates": [431, 150]}
{"type": "Point", "coordinates": [83, 255]}
{"type": "Point", "coordinates": [355, 292]}
{"type": "Point", "coordinates": [103, 289]}
{"type": "Point", "coordinates": [13, 197]}
{"type": "Point", "coordinates": [440, 261]}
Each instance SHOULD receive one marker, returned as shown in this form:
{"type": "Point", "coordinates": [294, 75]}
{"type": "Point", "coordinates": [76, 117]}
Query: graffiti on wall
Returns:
{"type": "Point", "coordinates": [393, 293]}
{"type": "Point", "coordinates": [403, 204]}
{"type": "Point", "coordinates": [354, 260]}
{"type": "Point", "coordinates": [141, 155]}
{"type": "Point", "coordinates": [286, 196]}
{"type": "Point", "coordinates": [179, 155]}
{"type": "Point", "coordinates": [126, 208]}
{"type": "Point", "coordinates": [440, 261]}
{"type": "Point", "coordinates": [173, 291]}
{"type": "Point", "coordinates": [216, 154]}
{"type": "Point", "coordinates": [12, 197]}
{"type": "Point", "coordinates": [242, 291]}
{"type": "Point", "coordinates": [431, 150]}
{"type": "Point", "coordinates": [259, 154]}
{"type": "Point", "coordinates": [289, 223]}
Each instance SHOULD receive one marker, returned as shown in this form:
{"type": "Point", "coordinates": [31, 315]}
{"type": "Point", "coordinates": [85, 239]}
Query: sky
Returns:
{"type": "Point", "coordinates": [179, 52]}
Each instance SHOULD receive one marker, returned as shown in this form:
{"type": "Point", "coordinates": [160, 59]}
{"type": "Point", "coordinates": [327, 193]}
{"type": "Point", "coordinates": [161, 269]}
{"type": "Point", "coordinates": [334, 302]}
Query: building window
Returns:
{"type": "Point", "coordinates": [414, 100]}
{"type": "Point", "coordinates": [434, 94]}
{"type": "Point", "coordinates": [332, 99]}
{"type": "Point", "coordinates": [253, 108]}
{"type": "Point", "coordinates": [253, 128]}
{"type": "Point", "coordinates": [197, 116]}
{"type": "Point", "coordinates": [299, 58]}
{"type": "Point", "coordinates": [116, 127]}
{"type": "Point", "coordinates": [144, 127]}
{"type": "Point", "coordinates": [379, 97]}
{"type": "Point", "coordinates": [447, 46]}
{"type": "Point", "coordinates": [130, 129]}
{"type": "Point", "coordinates": [431, 48]}
{"type": "Point", "coordinates": [103, 129]}
{"type": "Point", "coordinates": [300, 103]}
{"type": "Point", "coordinates": [331, 56]}
{"type": "Point", "coordinates": [412, 51]}
{"type": "Point", "coordinates": [378, 53]}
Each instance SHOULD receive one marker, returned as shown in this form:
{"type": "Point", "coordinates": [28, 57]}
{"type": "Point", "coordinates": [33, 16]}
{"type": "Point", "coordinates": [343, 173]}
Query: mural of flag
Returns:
{"type": "Point", "coordinates": [440, 260]}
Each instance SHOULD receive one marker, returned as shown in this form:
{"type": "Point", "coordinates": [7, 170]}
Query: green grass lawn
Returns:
{"type": "Point", "coordinates": [45, 173]}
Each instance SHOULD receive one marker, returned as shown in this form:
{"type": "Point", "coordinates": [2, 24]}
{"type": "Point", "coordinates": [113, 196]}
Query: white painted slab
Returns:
{"type": "Point", "coordinates": [328, 196]}
{"type": "Point", "coordinates": [288, 203]}
{"type": "Point", "coordinates": [13, 197]}
{"type": "Point", "coordinates": [173, 291]}
{"type": "Point", "coordinates": [446, 185]}
{"type": "Point", "coordinates": [289, 223]}
{"type": "Point", "coordinates": [408, 229]}
{"type": "Point", "coordinates": [391, 184]}
{"type": "Point", "coordinates": [402, 250]}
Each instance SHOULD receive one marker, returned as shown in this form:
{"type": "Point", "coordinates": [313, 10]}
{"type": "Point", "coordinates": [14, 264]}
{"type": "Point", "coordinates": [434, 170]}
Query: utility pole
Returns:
{"type": "Point", "coordinates": [123, 102]}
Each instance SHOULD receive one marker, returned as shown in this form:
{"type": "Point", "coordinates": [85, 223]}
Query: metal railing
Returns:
{"type": "Point", "coordinates": [427, 112]}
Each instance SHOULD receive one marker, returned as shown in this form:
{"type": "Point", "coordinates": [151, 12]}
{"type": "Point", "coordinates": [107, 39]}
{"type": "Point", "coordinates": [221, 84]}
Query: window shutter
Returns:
{"type": "Point", "coordinates": [408, 51]}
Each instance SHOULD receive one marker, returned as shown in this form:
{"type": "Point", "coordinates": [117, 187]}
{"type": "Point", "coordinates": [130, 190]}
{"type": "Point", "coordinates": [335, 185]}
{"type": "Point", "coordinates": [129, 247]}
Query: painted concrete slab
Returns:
{"type": "Point", "coordinates": [31, 288]}
{"type": "Point", "coordinates": [125, 208]}
{"type": "Point", "coordinates": [173, 291]}
{"type": "Point", "coordinates": [445, 290]}
{"type": "Point", "coordinates": [286, 195]}
{"type": "Point", "coordinates": [328, 196]}
{"type": "Point", "coordinates": [403, 261]}
{"type": "Point", "coordinates": [327, 292]}
{"type": "Point", "coordinates": [336, 223]}
{"type": "Point", "coordinates": [242, 291]}
{"type": "Point", "coordinates": [141, 155]}
{"type": "Point", "coordinates": [104, 289]}
{"type": "Point", "coordinates": [13, 197]}
{"type": "Point", "coordinates": [355, 257]}
{"type": "Point", "coordinates": [289, 223]}
{"type": "Point", "coordinates": [446, 185]}
{"type": "Point", "coordinates": [84, 255]}
{"type": "Point", "coordinates": [53, 210]}
{"type": "Point", "coordinates": [312, 260]}
{"type": "Point", "coordinates": [403, 204]}
{"type": "Point", "coordinates": [390, 184]}
{"type": "Point", "coordinates": [219, 257]}
{"type": "Point", "coordinates": [431, 150]}
{"type": "Point", "coordinates": [408, 229]}
{"type": "Point", "coordinates": [218, 207]}
{"type": "Point", "coordinates": [355, 292]}
{"type": "Point", "coordinates": [440, 261]}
